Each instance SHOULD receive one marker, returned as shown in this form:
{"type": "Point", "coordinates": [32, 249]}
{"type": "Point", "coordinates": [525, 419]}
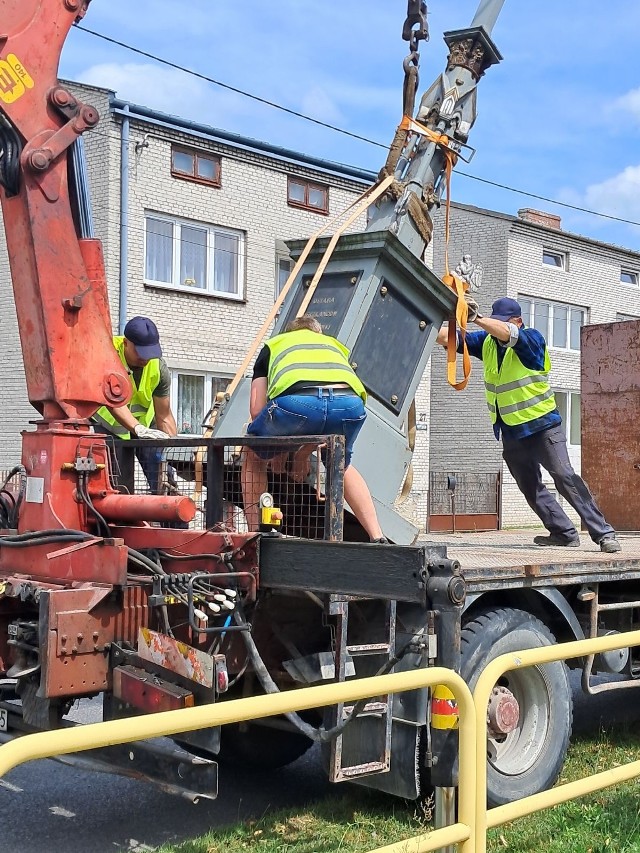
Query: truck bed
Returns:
{"type": "Point", "coordinates": [510, 559]}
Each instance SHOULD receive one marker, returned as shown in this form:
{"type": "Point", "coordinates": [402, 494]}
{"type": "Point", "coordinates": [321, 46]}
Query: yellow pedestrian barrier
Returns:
{"type": "Point", "coordinates": [452, 704]}
{"type": "Point", "coordinates": [560, 794]}
{"type": "Point", "coordinates": [95, 735]}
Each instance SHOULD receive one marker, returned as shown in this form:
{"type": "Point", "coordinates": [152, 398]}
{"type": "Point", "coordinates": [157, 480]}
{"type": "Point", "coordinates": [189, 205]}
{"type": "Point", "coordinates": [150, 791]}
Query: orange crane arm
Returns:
{"type": "Point", "coordinates": [58, 276]}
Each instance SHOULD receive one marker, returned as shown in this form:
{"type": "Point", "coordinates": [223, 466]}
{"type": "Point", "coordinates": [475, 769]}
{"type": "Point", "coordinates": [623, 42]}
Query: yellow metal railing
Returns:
{"type": "Point", "coordinates": [95, 735]}
{"type": "Point", "coordinates": [470, 830]}
{"type": "Point", "coordinates": [554, 796]}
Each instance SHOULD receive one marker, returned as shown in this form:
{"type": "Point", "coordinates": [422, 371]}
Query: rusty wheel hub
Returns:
{"type": "Point", "coordinates": [503, 712]}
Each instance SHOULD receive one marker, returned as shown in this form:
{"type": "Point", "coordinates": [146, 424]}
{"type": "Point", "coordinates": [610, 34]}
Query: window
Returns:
{"type": "Point", "coordinates": [629, 277]}
{"type": "Point", "coordinates": [568, 403]}
{"type": "Point", "coordinates": [301, 193]}
{"type": "Point", "coordinates": [559, 323]}
{"type": "Point", "coordinates": [192, 395]}
{"type": "Point", "coordinates": [193, 256]}
{"type": "Point", "coordinates": [554, 259]}
{"type": "Point", "coordinates": [195, 165]}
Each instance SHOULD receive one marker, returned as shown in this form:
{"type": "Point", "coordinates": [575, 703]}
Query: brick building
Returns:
{"type": "Point", "coordinates": [193, 222]}
{"type": "Point", "coordinates": [562, 281]}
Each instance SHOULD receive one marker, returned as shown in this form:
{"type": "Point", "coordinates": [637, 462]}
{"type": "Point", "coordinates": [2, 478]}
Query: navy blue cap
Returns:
{"type": "Point", "coordinates": [505, 308]}
{"type": "Point", "coordinates": [143, 334]}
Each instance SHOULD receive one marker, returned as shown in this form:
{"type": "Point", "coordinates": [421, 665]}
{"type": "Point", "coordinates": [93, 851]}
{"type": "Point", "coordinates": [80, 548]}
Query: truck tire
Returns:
{"type": "Point", "coordinates": [530, 757]}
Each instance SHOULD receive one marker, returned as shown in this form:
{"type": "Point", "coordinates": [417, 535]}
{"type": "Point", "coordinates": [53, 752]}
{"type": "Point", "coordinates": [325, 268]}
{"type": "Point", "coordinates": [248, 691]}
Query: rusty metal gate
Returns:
{"type": "Point", "coordinates": [610, 385]}
{"type": "Point", "coordinates": [463, 501]}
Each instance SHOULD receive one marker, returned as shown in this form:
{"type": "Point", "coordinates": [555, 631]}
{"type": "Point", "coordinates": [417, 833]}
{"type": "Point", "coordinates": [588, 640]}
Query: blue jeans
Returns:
{"type": "Point", "coordinates": [327, 413]}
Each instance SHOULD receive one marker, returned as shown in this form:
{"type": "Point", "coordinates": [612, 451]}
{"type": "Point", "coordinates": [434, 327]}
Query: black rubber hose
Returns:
{"type": "Point", "coordinates": [9, 542]}
{"type": "Point", "coordinates": [320, 735]}
{"type": "Point", "coordinates": [56, 531]}
{"type": "Point", "coordinates": [10, 148]}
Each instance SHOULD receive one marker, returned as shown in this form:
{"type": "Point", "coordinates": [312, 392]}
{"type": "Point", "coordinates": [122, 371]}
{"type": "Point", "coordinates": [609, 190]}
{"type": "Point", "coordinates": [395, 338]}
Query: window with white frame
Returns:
{"type": "Point", "coordinates": [193, 256]}
{"type": "Point", "coordinates": [558, 322]}
{"type": "Point", "coordinates": [568, 403]}
{"type": "Point", "coordinates": [553, 258]}
{"type": "Point", "coordinates": [629, 277]}
{"type": "Point", "coordinates": [192, 395]}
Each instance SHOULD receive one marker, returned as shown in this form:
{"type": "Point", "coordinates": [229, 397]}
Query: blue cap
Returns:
{"type": "Point", "coordinates": [505, 308]}
{"type": "Point", "coordinates": [143, 334]}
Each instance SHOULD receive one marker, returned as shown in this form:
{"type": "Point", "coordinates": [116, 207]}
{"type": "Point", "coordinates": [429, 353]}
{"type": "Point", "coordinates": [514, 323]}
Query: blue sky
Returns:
{"type": "Point", "coordinates": [560, 116]}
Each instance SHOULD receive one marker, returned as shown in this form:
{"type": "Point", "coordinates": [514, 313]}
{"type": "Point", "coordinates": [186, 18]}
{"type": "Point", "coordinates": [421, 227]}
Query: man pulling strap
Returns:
{"type": "Point", "coordinates": [523, 410]}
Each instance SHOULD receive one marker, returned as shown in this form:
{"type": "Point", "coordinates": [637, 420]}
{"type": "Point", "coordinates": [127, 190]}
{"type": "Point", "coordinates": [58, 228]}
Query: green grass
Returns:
{"type": "Point", "coordinates": [359, 821]}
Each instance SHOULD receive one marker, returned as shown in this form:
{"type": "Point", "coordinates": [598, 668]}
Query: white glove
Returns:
{"type": "Point", "coordinates": [474, 309]}
{"type": "Point", "coordinates": [142, 431]}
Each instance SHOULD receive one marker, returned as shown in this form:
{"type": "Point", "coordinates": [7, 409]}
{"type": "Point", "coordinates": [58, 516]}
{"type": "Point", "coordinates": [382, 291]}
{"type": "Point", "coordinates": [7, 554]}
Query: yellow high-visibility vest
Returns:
{"type": "Point", "coordinates": [520, 395]}
{"type": "Point", "coordinates": [141, 404]}
{"type": "Point", "coordinates": [305, 356]}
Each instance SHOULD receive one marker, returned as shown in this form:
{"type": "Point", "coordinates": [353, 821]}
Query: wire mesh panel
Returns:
{"type": "Point", "coordinates": [226, 478]}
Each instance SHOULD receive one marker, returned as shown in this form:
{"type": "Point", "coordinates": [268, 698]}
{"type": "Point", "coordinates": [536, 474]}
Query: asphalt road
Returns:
{"type": "Point", "coordinates": [46, 807]}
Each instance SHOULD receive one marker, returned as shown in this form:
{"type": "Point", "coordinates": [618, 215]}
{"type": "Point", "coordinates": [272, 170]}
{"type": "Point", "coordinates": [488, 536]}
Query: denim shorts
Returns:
{"type": "Point", "coordinates": [309, 414]}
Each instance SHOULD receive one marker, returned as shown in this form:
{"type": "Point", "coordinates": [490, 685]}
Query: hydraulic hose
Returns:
{"type": "Point", "coordinates": [319, 735]}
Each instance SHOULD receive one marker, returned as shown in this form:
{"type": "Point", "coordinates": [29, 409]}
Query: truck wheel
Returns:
{"type": "Point", "coordinates": [530, 714]}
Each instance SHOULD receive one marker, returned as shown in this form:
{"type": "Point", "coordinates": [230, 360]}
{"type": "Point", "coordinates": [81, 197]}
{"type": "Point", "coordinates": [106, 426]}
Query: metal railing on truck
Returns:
{"type": "Point", "coordinates": [208, 470]}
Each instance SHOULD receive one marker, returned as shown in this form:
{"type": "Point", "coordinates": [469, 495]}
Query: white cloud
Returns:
{"type": "Point", "coordinates": [618, 196]}
{"type": "Point", "coordinates": [149, 85]}
{"type": "Point", "coordinates": [318, 104]}
{"type": "Point", "coordinates": [170, 91]}
{"type": "Point", "coordinates": [629, 103]}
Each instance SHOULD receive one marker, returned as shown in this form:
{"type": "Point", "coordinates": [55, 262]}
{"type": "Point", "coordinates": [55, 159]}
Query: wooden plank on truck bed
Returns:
{"type": "Point", "coordinates": [510, 559]}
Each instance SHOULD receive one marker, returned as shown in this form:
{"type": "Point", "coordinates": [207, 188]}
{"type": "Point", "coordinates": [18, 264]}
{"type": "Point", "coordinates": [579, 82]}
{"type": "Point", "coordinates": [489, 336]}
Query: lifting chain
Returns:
{"type": "Point", "coordinates": [414, 30]}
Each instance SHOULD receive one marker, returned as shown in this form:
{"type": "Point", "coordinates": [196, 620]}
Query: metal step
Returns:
{"type": "Point", "coordinates": [364, 747]}
{"type": "Point", "coordinates": [369, 649]}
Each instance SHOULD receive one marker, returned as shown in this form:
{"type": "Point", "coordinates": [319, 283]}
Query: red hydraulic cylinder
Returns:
{"type": "Point", "coordinates": [134, 508]}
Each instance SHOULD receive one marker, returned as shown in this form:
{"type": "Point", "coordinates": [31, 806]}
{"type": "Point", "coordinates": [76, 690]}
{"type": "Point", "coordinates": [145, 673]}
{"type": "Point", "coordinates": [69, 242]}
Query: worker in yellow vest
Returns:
{"type": "Point", "coordinates": [523, 412]}
{"type": "Point", "coordinates": [148, 414]}
{"type": "Point", "coordinates": [141, 354]}
{"type": "Point", "coordinates": [303, 384]}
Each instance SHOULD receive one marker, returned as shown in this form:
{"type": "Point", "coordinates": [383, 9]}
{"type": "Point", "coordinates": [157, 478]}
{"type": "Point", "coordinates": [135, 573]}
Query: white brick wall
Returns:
{"type": "Point", "coordinates": [198, 331]}
{"type": "Point", "coordinates": [201, 332]}
{"type": "Point", "coordinates": [511, 251]}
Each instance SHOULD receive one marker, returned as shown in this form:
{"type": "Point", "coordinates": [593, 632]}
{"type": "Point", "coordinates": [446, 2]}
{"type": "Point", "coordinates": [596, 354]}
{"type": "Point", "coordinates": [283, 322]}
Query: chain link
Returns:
{"type": "Point", "coordinates": [414, 30]}
{"type": "Point", "coordinates": [416, 16]}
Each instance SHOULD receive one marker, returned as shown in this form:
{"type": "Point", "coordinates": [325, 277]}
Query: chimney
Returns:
{"type": "Point", "coordinates": [539, 217]}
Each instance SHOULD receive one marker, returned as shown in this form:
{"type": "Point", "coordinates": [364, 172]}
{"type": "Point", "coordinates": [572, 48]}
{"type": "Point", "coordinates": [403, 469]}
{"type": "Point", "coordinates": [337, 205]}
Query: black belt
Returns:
{"type": "Point", "coordinates": [328, 391]}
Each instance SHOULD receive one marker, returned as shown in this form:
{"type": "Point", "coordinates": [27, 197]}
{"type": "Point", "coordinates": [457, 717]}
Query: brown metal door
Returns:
{"type": "Point", "coordinates": [611, 419]}
{"type": "Point", "coordinates": [462, 502]}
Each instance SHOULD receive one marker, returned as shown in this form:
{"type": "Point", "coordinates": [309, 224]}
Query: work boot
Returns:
{"type": "Point", "coordinates": [381, 541]}
{"type": "Point", "coordinates": [558, 541]}
{"type": "Point", "coordinates": [609, 544]}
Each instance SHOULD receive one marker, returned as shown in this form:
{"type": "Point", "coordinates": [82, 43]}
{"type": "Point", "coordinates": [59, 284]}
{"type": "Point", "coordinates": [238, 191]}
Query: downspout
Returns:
{"type": "Point", "coordinates": [124, 221]}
